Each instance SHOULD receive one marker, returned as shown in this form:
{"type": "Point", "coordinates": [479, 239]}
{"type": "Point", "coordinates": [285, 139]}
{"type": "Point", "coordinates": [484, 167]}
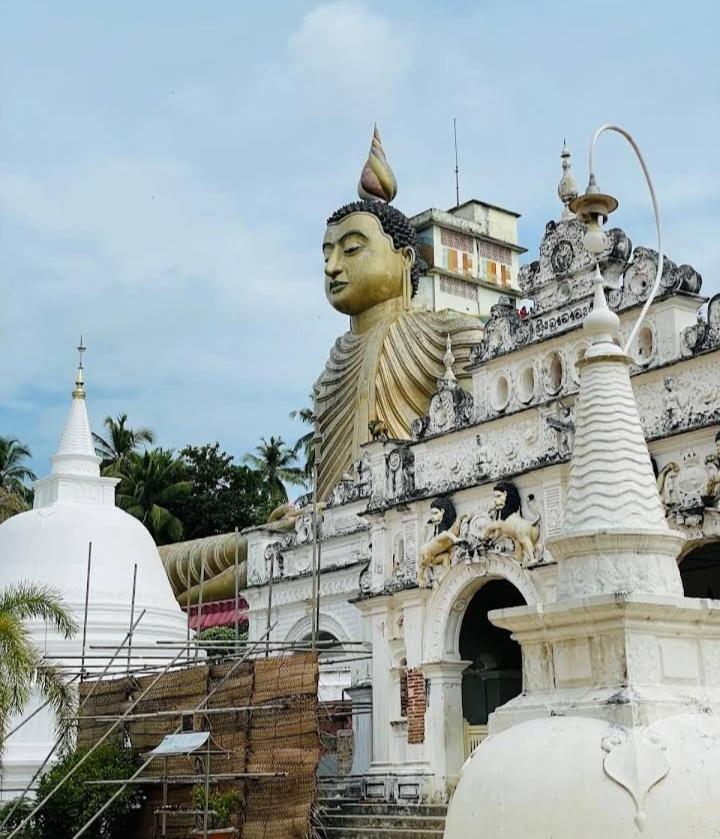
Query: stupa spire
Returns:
{"type": "Point", "coordinates": [614, 536]}
{"type": "Point", "coordinates": [76, 452]}
{"type": "Point", "coordinates": [612, 484]}
{"type": "Point", "coordinates": [79, 391]}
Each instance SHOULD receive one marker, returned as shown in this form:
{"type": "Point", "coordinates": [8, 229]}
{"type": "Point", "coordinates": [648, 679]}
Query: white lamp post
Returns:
{"type": "Point", "coordinates": [594, 207]}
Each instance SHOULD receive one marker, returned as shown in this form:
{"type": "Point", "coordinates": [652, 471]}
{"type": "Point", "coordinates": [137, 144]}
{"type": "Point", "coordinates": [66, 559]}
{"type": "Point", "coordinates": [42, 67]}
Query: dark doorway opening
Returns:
{"type": "Point", "coordinates": [700, 571]}
{"type": "Point", "coordinates": [495, 674]}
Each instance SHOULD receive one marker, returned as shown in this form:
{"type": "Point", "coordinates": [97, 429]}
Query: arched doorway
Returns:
{"type": "Point", "coordinates": [700, 571]}
{"type": "Point", "coordinates": [494, 675]}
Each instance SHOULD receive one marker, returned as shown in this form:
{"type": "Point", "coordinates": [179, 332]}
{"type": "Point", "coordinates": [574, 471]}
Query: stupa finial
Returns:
{"type": "Point", "coordinates": [79, 391]}
{"type": "Point", "coordinates": [567, 188]}
{"type": "Point", "coordinates": [377, 179]}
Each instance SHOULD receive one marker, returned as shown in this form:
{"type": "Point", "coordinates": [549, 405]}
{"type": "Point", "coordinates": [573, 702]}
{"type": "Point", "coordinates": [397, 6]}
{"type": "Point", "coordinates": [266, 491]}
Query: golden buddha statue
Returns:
{"type": "Point", "coordinates": [385, 369]}
{"type": "Point", "coordinates": [382, 372]}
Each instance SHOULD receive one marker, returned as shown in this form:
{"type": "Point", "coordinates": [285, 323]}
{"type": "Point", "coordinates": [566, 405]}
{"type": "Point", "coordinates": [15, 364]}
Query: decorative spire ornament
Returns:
{"type": "Point", "coordinates": [79, 391]}
{"type": "Point", "coordinates": [567, 188]}
{"type": "Point", "coordinates": [449, 360]}
{"type": "Point", "coordinates": [377, 179]}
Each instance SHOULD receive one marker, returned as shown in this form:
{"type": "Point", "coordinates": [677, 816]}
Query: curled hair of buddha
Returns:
{"type": "Point", "coordinates": [395, 224]}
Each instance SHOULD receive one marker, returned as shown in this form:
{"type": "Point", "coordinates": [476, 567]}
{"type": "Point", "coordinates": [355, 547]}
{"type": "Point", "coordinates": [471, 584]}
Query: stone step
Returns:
{"type": "Point", "coordinates": [380, 808]}
{"type": "Point", "coordinates": [384, 832]}
{"type": "Point", "coordinates": [389, 822]}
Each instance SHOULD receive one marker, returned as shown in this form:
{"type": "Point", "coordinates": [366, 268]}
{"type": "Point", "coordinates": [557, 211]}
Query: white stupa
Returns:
{"type": "Point", "coordinates": [617, 732]}
{"type": "Point", "coordinates": [74, 508]}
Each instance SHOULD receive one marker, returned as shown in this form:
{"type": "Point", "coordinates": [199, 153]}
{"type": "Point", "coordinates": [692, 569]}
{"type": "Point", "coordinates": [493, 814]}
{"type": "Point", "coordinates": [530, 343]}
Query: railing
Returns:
{"type": "Point", "coordinates": [474, 735]}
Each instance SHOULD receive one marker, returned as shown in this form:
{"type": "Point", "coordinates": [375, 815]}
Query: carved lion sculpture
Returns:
{"type": "Point", "coordinates": [510, 524]}
{"type": "Point", "coordinates": [444, 526]}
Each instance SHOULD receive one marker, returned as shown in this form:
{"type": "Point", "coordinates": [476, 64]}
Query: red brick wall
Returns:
{"type": "Point", "coordinates": [416, 702]}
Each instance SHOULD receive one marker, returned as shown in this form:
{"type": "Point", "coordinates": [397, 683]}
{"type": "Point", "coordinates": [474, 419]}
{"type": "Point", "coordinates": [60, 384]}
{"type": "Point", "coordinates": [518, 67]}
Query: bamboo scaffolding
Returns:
{"type": "Point", "coordinates": [104, 807]}
{"type": "Point", "coordinates": [82, 760]}
{"type": "Point", "coordinates": [56, 745]}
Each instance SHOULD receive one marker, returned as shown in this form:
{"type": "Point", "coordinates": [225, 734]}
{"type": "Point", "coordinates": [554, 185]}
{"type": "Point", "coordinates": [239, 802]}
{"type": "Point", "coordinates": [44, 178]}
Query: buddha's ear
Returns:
{"type": "Point", "coordinates": [408, 255]}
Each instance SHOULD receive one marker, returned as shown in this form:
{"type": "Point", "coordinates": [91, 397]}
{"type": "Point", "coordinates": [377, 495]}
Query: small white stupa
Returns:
{"type": "Point", "coordinates": [616, 734]}
{"type": "Point", "coordinates": [74, 508]}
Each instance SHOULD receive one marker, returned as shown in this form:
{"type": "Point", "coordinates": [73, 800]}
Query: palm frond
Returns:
{"type": "Point", "coordinates": [28, 601]}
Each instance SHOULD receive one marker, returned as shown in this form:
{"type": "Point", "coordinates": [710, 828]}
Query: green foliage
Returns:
{"type": "Point", "coordinates": [119, 441]}
{"type": "Point", "coordinates": [14, 473]}
{"type": "Point", "coordinates": [304, 444]}
{"type": "Point", "coordinates": [18, 810]}
{"type": "Point", "coordinates": [75, 802]}
{"type": "Point", "coordinates": [223, 496]}
{"type": "Point", "coordinates": [150, 483]}
{"type": "Point", "coordinates": [21, 663]}
{"type": "Point", "coordinates": [225, 804]}
{"type": "Point", "coordinates": [223, 633]}
{"type": "Point", "coordinates": [11, 503]}
{"type": "Point", "coordinates": [276, 463]}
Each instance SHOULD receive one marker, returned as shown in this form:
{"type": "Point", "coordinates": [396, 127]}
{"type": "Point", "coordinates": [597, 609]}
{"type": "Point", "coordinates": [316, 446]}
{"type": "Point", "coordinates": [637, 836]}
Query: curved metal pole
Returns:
{"type": "Point", "coordinates": [656, 210]}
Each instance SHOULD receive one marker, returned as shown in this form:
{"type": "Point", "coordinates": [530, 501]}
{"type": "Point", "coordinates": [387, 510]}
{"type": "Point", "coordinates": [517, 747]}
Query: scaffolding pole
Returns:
{"type": "Point", "coordinates": [56, 745]}
{"type": "Point", "coordinates": [87, 602]}
{"type": "Point", "coordinates": [118, 792]}
{"type": "Point", "coordinates": [104, 737]}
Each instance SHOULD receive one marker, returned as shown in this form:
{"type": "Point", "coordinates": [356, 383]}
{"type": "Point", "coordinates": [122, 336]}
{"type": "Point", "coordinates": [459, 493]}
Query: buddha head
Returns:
{"type": "Point", "coordinates": [370, 248]}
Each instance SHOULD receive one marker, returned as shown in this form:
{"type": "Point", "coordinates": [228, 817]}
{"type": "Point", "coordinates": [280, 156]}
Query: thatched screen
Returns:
{"type": "Point", "coordinates": [282, 738]}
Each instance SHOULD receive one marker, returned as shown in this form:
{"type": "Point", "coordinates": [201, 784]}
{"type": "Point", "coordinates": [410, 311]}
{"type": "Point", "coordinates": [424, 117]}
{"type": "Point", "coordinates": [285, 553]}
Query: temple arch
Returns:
{"type": "Point", "coordinates": [449, 601]}
{"type": "Point", "coordinates": [700, 568]}
{"type": "Point", "coordinates": [302, 628]}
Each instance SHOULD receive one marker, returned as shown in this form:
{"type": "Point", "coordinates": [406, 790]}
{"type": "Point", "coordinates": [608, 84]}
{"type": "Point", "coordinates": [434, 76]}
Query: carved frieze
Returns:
{"type": "Point", "coordinates": [352, 485]}
{"type": "Point", "coordinates": [564, 271]}
{"type": "Point", "coordinates": [451, 407]}
{"type": "Point", "coordinates": [504, 332]}
{"type": "Point", "coordinates": [399, 472]}
{"type": "Point", "coordinates": [705, 334]}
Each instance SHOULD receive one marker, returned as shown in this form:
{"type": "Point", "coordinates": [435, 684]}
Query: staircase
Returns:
{"type": "Point", "coordinates": [355, 819]}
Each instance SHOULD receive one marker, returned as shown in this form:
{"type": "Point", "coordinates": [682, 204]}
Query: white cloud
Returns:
{"type": "Point", "coordinates": [345, 45]}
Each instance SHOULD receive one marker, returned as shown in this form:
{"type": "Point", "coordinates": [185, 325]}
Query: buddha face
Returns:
{"type": "Point", "coordinates": [362, 266]}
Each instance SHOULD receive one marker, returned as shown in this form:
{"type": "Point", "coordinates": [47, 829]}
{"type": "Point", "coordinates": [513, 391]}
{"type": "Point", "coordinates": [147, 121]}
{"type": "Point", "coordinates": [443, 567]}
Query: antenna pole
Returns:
{"type": "Point", "coordinates": [457, 170]}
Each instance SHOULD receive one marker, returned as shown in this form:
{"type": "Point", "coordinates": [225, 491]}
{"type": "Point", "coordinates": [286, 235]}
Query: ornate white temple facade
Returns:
{"type": "Point", "coordinates": [470, 507]}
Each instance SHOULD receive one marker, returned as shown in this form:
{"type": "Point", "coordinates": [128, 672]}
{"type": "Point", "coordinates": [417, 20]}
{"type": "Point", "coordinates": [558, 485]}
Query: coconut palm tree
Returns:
{"type": "Point", "coordinates": [22, 668]}
{"type": "Point", "coordinates": [14, 473]}
{"type": "Point", "coordinates": [11, 503]}
{"type": "Point", "coordinates": [120, 441]}
{"type": "Point", "coordinates": [304, 444]}
{"type": "Point", "coordinates": [276, 463]}
{"type": "Point", "coordinates": [149, 483]}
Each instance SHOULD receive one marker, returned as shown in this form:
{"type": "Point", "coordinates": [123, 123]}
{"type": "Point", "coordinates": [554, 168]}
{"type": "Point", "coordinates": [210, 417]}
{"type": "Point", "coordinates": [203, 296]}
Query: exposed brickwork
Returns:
{"type": "Point", "coordinates": [416, 703]}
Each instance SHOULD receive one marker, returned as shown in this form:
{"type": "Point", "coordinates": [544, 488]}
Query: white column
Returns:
{"type": "Point", "coordinates": [444, 733]}
{"type": "Point", "coordinates": [362, 728]}
{"type": "Point", "coordinates": [375, 611]}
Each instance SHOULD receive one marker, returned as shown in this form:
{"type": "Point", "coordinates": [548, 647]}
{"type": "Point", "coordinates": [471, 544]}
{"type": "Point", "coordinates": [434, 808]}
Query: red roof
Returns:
{"type": "Point", "coordinates": [217, 613]}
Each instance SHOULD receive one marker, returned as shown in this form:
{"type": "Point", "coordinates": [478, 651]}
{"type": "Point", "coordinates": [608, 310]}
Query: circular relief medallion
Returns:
{"type": "Point", "coordinates": [394, 461]}
{"type": "Point", "coordinates": [561, 256]}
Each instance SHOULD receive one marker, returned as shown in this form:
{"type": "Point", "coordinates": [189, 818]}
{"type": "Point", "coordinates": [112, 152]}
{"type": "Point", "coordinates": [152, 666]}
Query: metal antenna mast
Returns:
{"type": "Point", "coordinates": [457, 170]}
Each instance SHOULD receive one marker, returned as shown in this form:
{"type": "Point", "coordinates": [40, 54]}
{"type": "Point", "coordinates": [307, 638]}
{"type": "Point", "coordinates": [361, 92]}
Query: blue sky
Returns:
{"type": "Point", "coordinates": [166, 169]}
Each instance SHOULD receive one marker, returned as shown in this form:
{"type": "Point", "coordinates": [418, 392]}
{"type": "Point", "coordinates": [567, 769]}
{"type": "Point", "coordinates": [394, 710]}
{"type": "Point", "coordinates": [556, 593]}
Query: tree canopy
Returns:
{"type": "Point", "coordinates": [150, 483]}
{"type": "Point", "coordinates": [277, 464]}
{"type": "Point", "coordinates": [223, 495]}
{"type": "Point", "coordinates": [120, 441]}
